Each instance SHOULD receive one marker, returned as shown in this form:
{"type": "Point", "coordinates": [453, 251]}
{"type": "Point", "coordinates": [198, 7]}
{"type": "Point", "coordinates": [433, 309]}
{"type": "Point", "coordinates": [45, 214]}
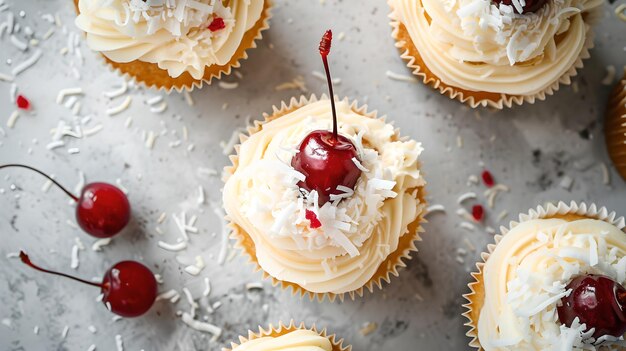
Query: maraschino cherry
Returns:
{"type": "Point", "coordinates": [530, 6]}
{"type": "Point", "coordinates": [326, 158]}
{"type": "Point", "coordinates": [128, 288]}
{"type": "Point", "coordinates": [102, 209]}
{"type": "Point", "coordinates": [598, 301]}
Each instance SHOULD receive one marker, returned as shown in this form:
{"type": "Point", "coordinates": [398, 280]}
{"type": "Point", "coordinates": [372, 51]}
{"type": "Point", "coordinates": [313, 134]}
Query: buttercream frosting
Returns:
{"type": "Point", "coordinates": [297, 340]}
{"type": "Point", "coordinates": [359, 229]}
{"type": "Point", "coordinates": [477, 45]}
{"type": "Point", "coordinates": [526, 276]}
{"type": "Point", "coordinates": [172, 34]}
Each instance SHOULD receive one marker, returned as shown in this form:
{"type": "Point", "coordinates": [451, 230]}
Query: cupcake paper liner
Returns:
{"type": "Point", "coordinates": [282, 329]}
{"type": "Point", "coordinates": [572, 211]}
{"type": "Point", "coordinates": [410, 54]}
{"type": "Point", "coordinates": [388, 268]}
{"type": "Point", "coordinates": [615, 127]}
{"type": "Point", "coordinates": [149, 75]}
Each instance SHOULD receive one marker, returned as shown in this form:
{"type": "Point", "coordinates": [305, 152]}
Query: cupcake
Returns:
{"type": "Point", "coordinates": [615, 127]}
{"type": "Point", "coordinates": [290, 337]}
{"type": "Point", "coordinates": [172, 44]}
{"type": "Point", "coordinates": [494, 52]}
{"type": "Point", "coordinates": [325, 197]}
{"type": "Point", "coordinates": [553, 280]}
{"type": "Point", "coordinates": [358, 236]}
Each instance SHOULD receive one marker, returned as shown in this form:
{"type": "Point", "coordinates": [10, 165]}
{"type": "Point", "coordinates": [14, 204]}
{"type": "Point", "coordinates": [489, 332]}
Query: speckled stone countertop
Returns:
{"type": "Point", "coordinates": [531, 149]}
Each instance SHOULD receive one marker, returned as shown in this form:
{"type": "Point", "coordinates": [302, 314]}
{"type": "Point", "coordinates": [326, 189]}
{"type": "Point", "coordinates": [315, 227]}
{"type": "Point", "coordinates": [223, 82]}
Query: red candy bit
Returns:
{"type": "Point", "coordinates": [312, 217]}
{"type": "Point", "coordinates": [22, 102]}
{"type": "Point", "coordinates": [217, 24]}
{"type": "Point", "coordinates": [478, 212]}
{"type": "Point", "coordinates": [488, 179]}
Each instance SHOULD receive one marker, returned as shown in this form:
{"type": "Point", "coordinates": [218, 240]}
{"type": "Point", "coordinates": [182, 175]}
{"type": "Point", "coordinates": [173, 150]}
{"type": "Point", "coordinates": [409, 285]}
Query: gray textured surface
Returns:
{"type": "Point", "coordinates": [35, 221]}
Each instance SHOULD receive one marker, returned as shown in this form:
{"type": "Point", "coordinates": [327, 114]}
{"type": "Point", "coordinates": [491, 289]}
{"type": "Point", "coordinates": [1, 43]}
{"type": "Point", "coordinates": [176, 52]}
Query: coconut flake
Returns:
{"type": "Point", "coordinates": [610, 75]}
{"type": "Point", "coordinates": [400, 77]}
{"type": "Point", "coordinates": [98, 244]}
{"type": "Point", "coordinates": [74, 262]}
{"type": "Point", "coordinates": [201, 326]}
{"type": "Point", "coordinates": [179, 246]}
{"type": "Point", "coordinates": [119, 108]}
{"type": "Point", "coordinates": [119, 343]}
{"type": "Point", "coordinates": [72, 92]}
{"type": "Point", "coordinates": [117, 92]}
{"type": "Point", "coordinates": [467, 196]}
{"type": "Point", "coordinates": [358, 165]}
{"type": "Point", "coordinates": [26, 64]}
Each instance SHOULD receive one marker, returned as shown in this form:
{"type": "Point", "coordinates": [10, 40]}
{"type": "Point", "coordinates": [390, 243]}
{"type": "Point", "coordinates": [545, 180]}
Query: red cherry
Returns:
{"type": "Point", "coordinates": [326, 158]}
{"type": "Point", "coordinates": [488, 179]}
{"type": "Point", "coordinates": [128, 288]}
{"type": "Point", "coordinates": [216, 24]}
{"type": "Point", "coordinates": [598, 301]}
{"type": "Point", "coordinates": [531, 5]}
{"type": "Point", "coordinates": [22, 102]}
{"type": "Point", "coordinates": [102, 210]}
{"type": "Point", "coordinates": [478, 212]}
{"type": "Point", "coordinates": [326, 162]}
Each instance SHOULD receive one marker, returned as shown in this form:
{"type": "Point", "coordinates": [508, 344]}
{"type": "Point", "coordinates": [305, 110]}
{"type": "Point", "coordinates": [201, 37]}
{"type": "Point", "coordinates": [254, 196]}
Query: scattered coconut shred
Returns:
{"type": "Point", "coordinates": [368, 328]}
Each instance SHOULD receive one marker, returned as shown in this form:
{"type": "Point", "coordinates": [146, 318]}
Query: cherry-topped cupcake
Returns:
{"type": "Point", "coordinates": [324, 197]}
{"type": "Point", "coordinates": [553, 281]}
{"type": "Point", "coordinates": [496, 53]}
{"type": "Point", "coordinates": [173, 44]}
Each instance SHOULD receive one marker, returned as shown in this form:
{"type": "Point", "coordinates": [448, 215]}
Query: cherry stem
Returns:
{"type": "Point", "coordinates": [43, 174]}
{"type": "Point", "coordinates": [324, 48]}
{"type": "Point", "coordinates": [26, 260]}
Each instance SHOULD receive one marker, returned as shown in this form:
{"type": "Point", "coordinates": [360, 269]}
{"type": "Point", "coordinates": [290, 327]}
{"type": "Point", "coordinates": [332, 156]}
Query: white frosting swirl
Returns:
{"type": "Point", "coordinates": [357, 233]}
{"type": "Point", "coordinates": [477, 46]}
{"type": "Point", "coordinates": [175, 37]}
{"type": "Point", "coordinates": [297, 340]}
{"type": "Point", "coordinates": [526, 275]}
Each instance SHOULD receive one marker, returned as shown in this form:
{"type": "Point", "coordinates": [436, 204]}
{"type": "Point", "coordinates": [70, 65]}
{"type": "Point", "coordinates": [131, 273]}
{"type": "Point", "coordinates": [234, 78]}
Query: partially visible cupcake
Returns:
{"type": "Point", "coordinates": [494, 52]}
{"type": "Point", "coordinates": [324, 245]}
{"type": "Point", "coordinates": [290, 337]}
{"type": "Point", "coordinates": [615, 127]}
{"type": "Point", "coordinates": [172, 44]}
{"type": "Point", "coordinates": [552, 281]}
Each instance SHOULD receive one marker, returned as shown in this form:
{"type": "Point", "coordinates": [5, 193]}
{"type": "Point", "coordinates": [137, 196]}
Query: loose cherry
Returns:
{"type": "Point", "coordinates": [128, 288]}
{"type": "Point", "coordinates": [326, 158]}
{"type": "Point", "coordinates": [530, 6]}
{"type": "Point", "coordinates": [598, 301]}
{"type": "Point", "coordinates": [102, 210]}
